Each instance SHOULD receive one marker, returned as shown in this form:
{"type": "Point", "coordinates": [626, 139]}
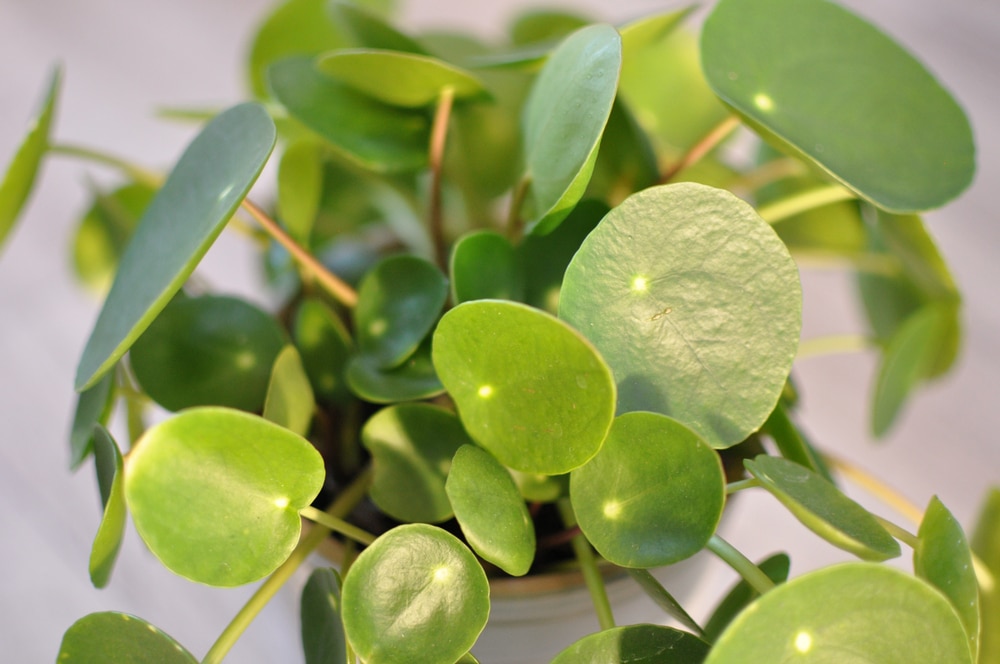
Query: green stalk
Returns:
{"type": "Point", "coordinates": [340, 508]}
{"type": "Point", "coordinates": [588, 566]}
{"type": "Point", "coordinates": [844, 343]}
{"type": "Point", "coordinates": [743, 566]}
{"type": "Point", "coordinates": [656, 592]}
{"type": "Point", "coordinates": [900, 533]}
{"type": "Point", "coordinates": [337, 525]}
{"type": "Point", "coordinates": [803, 202]}
{"type": "Point", "coordinates": [134, 172]}
{"type": "Point", "coordinates": [740, 485]}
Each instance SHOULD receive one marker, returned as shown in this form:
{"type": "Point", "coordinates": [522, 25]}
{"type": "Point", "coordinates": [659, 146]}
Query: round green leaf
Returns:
{"type": "Point", "coordinates": [201, 194]}
{"type": "Point", "coordinates": [652, 496]}
{"type": "Point", "coordinates": [215, 493]}
{"type": "Point", "coordinates": [300, 188]}
{"type": "Point", "coordinates": [491, 511]}
{"type": "Point", "coordinates": [528, 387]}
{"type": "Point", "coordinates": [323, 640]}
{"type": "Point", "coordinates": [484, 266]}
{"type": "Point", "coordinates": [19, 179]}
{"type": "Point", "coordinates": [93, 406]}
{"type": "Point", "coordinates": [411, 447]}
{"type": "Point", "coordinates": [399, 79]}
{"type": "Point", "coordinates": [373, 135]}
{"type": "Point", "coordinates": [416, 595]}
{"type": "Point", "coordinates": [120, 638]}
{"type": "Point", "coordinates": [695, 304]}
{"type": "Point", "coordinates": [833, 89]}
{"type": "Point", "coordinates": [209, 350]}
{"type": "Point", "coordinates": [414, 379]}
{"type": "Point", "coordinates": [325, 347]}
{"type": "Point", "coordinates": [399, 301]}
{"type": "Point", "coordinates": [108, 541]}
{"type": "Point", "coordinates": [290, 402]}
{"type": "Point", "coordinates": [822, 508]}
{"type": "Point", "coordinates": [635, 644]}
{"type": "Point", "coordinates": [943, 559]}
{"type": "Point", "coordinates": [776, 568]}
{"type": "Point", "coordinates": [564, 118]}
{"type": "Point", "coordinates": [858, 612]}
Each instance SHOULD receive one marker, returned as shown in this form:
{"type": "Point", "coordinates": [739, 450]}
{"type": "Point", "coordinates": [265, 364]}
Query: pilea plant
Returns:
{"type": "Point", "coordinates": [534, 312]}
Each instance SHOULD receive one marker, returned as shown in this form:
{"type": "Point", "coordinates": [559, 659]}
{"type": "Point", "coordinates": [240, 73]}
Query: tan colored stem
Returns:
{"type": "Point", "coordinates": [709, 142]}
{"type": "Point", "coordinates": [439, 138]}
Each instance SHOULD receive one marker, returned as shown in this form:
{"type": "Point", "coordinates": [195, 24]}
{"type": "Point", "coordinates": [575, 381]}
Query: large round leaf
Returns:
{"type": "Point", "coordinates": [210, 350]}
{"type": "Point", "coordinates": [822, 508]}
{"type": "Point", "coordinates": [411, 447]}
{"type": "Point", "coordinates": [857, 613]}
{"type": "Point", "coordinates": [695, 304]}
{"type": "Point", "coordinates": [119, 638]}
{"type": "Point", "coordinates": [838, 92]}
{"type": "Point", "coordinates": [215, 493]}
{"type": "Point", "coordinates": [564, 119]}
{"type": "Point", "coordinates": [635, 644]}
{"type": "Point", "coordinates": [652, 496]}
{"type": "Point", "coordinates": [416, 595]}
{"type": "Point", "coordinates": [211, 179]}
{"type": "Point", "coordinates": [528, 387]}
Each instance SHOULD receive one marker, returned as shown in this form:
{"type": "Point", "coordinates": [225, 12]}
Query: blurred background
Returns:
{"type": "Point", "coordinates": [123, 60]}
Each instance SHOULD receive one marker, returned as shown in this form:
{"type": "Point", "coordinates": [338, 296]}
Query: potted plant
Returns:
{"type": "Point", "coordinates": [534, 313]}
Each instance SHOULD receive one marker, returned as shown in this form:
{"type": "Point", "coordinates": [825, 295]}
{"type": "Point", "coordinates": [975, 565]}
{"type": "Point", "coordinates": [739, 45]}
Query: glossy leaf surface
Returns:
{"type": "Point", "coordinates": [215, 493]}
{"type": "Point", "coordinates": [695, 304]}
{"type": "Point", "coordinates": [325, 347]}
{"type": "Point", "coordinates": [855, 612]}
{"type": "Point", "coordinates": [120, 638]}
{"type": "Point", "coordinates": [323, 639]}
{"type": "Point", "coordinates": [564, 118]}
{"type": "Point", "coordinates": [412, 380]}
{"type": "Point", "coordinates": [986, 545]}
{"type": "Point", "coordinates": [491, 511]}
{"type": "Point", "coordinates": [397, 78]}
{"type": "Point", "coordinates": [943, 559]}
{"type": "Point", "coordinates": [528, 387]}
{"type": "Point", "coordinates": [636, 644]}
{"type": "Point", "coordinates": [300, 188]}
{"type": "Point", "coordinates": [399, 301]}
{"type": "Point", "coordinates": [776, 568]}
{"type": "Point", "coordinates": [289, 402]}
{"type": "Point", "coordinates": [107, 543]}
{"type": "Point", "coordinates": [204, 189]}
{"type": "Point", "coordinates": [416, 595]}
{"type": "Point", "coordinates": [822, 508]}
{"type": "Point", "coordinates": [484, 266]}
{"type": "Point", "coordinates": [375, 136]}
{"type": "Point", "coordinates": [93, 406]}
{"type": "Point", "coordinates": [19, 178]}
{"type": "Point", "coordinates": [411, 447]}
{"type": "Point", "coordinates": [835, 90]}
{"type": "Point", "coordinates": [652, 496]}
{"type": "Point", "coordinates": [209, 350]}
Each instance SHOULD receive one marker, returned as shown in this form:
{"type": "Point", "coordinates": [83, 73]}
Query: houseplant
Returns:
{"type": "Point", "coordinates": [626, 169]}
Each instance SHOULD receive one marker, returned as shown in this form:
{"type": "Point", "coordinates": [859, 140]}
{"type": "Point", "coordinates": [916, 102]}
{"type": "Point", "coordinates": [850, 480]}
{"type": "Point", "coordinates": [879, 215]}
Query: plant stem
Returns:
{"type": "Point", "coordinates": [137, 173]}
{"type": "Point", "coordinates": [880, 264]}
{"type": "Point", "coordinates": [331, 283]}
{"type": "Point", "coordinates": [706, 144]}
{"type": "Point", "coordinates": [743, 566]}
{"type": "Point", "coordinates": [900, 533]}
{"type": "Point", "coordinates": [845, 343]}
{"type": "Point", "coordinates": [767, 173]}
{"type": "Point", "coordinates": [588, 566]}
{"type": "Point", "coordinates": [876, 487]}
{"type": "Point", "coordinates": [346, 501]}
{"type": "Point", "coordinates": [740, 485]}
{"type": "Point", "coordinates": [439, 137]}
{"type": "Point", "coordinates": [656, 592]}
{"type": "Point", "coordinates": [514, 221]}
{"type": "Point", "coordinates": [337, 525]}
{"type": "Point", "coordinates": [803, 202]}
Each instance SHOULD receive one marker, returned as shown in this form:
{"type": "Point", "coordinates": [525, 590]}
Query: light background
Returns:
{"type": "Point", "coordinates": [124, 59]}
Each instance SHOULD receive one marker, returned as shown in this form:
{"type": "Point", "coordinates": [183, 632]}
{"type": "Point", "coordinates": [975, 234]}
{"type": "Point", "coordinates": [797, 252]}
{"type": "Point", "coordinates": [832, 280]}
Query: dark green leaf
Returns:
{"type": "Point", "coordinates": [414, 379]}
{"type": "Point", "coordinates": [209, 350]}
{"type": "Point", "coordinates": [416, 595]}
{"type": "Point", "coordinates": [695, 304]}
{"type": "Point", "coordinates": [636, 644]}
{"type": "Point", "coordinates": [93, 406]}
{"type": "Point", "coordinates": [100, 638]}
{"type": "Point", "coordinates": [833, 89]}
{"type": "Point", "coordinates": [108, 541]}
{"type": "Point", "coordinates": [856, 612]}
{"type": "Point", "coordinates": [491, 511]}
{"type": "Point", "coordinates": [325, 347]}
{"type": "Point", "coordinates": [986, 545]}
{"type": "Point", "coordinates": [652, 496]}
{"type": "Point", "coordinates": [822, 508]}
{"type": "Point", "coordinates": [19, 179]}
{"type": "Point", "coordinates": [776, 568]}
{"type": "Point", "coordinates": [626, 162]}
{"type": "Point", "coordinates": [323, 637]}
{"type": "Point", "coordinates": [290, 402]}
{"type": "Point", "coordinates": [528, 387]}
{"type": "Point", "coordinates": [208, 183]}
{"type": "Point", "coordinates": [215, 493]}
{"type": "Point", "coordinates": [484, 266]}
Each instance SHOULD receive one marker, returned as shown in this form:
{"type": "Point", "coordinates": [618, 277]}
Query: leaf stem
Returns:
{"type": "Point", "coordinates": [514, 221]}
{"type": "Point", "coordinates": [439, 137]}
{"type": "Point", "coordinates": [337, 525]}
{"type": "Point", "coordinates": [743, 566]}
{"type": "Point", "coordinates": [900, 533]}
{"type": "Point", "coordinates": [588, 566]}
{"type": "Point", "coordinates": [346, 501]}
{"type": "Point", "coordinates": [843, 343]}
{"type": "Point", "coordinates": [876, 487]}
{"type": "Point", "coordinates": [804, 202]}
{"type": "Point", "coordinates": [656, 592]}
{"type": "Point", "coordinates": [137, 173]}
{"type": "Point", "coordinates": [767, 173]}
{"type": "Point", "coordinates": [331, 283]}
{"type": "Point", "coordinates": [741, 485]}
{"type": "Point", "coordinates": [706, 144]}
